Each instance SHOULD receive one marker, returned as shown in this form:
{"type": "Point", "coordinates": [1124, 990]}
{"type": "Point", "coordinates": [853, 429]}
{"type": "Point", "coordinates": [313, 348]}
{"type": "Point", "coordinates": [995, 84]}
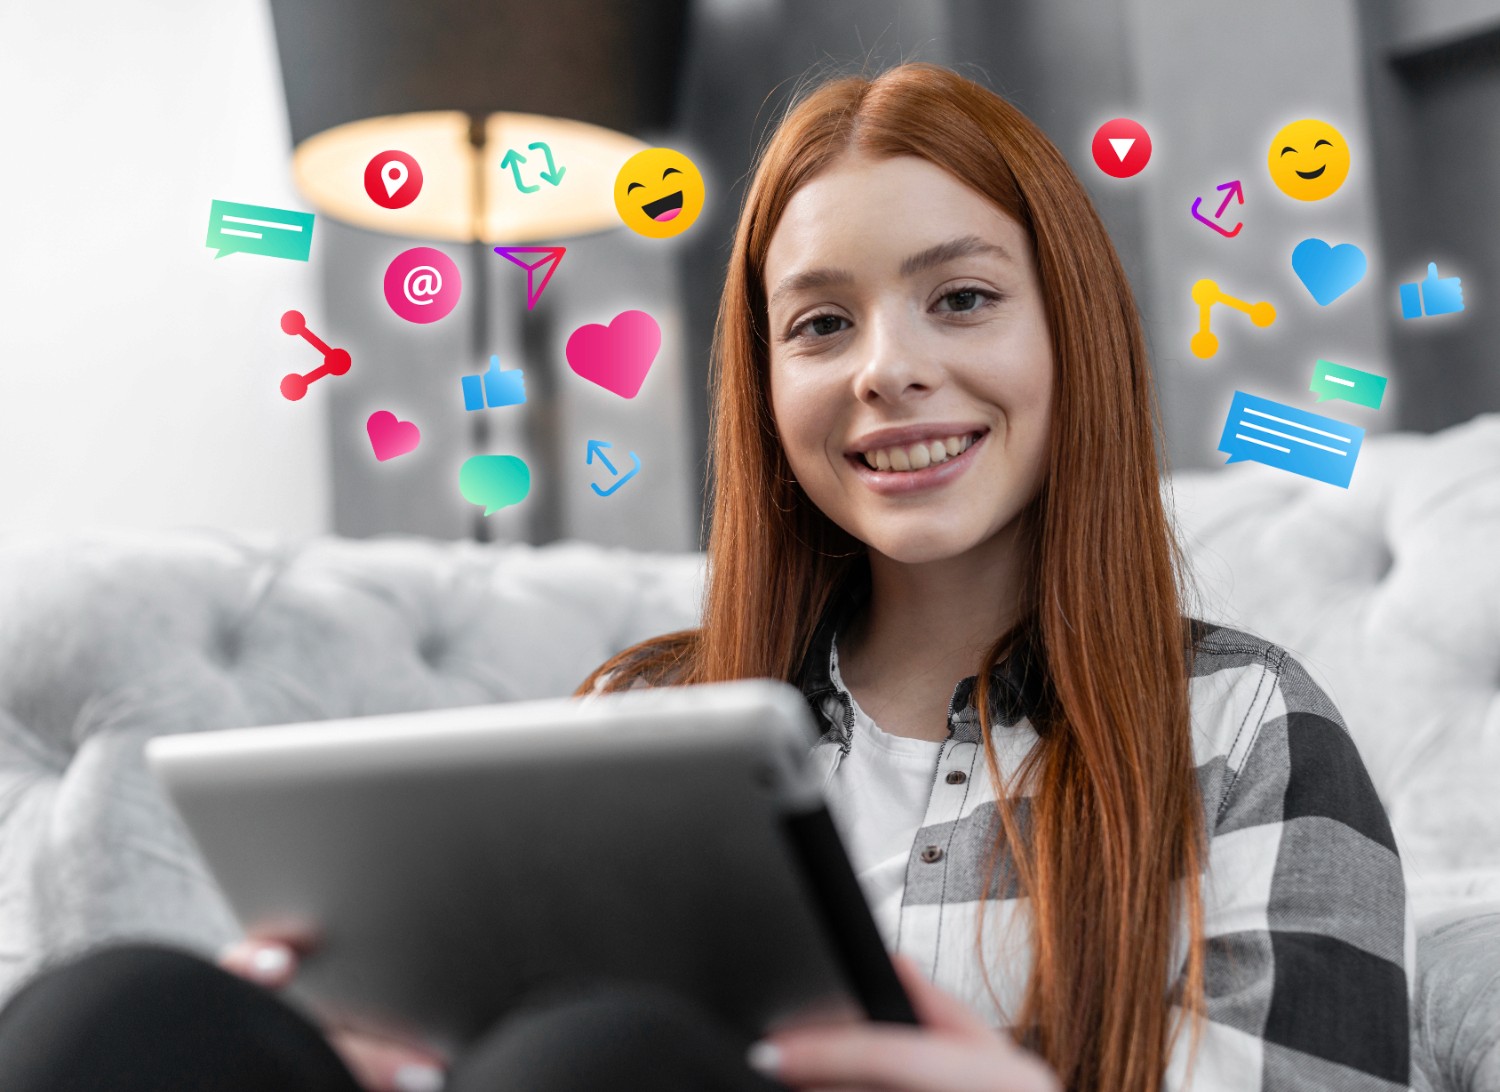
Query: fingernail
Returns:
{"type": "Point", "coordinates": [270, 962]}
{"type": "Point", "coordinates": [764, 1057]}
{"type": "Point", "coordinates": [418, 1078]}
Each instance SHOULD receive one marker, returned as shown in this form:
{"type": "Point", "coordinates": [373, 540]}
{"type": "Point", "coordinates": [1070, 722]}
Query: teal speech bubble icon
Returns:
{"type": "Point", "coordinates": [1340, 381]}
{"type": "Point", "coordinates": [258, 229]}
{"type": "Point", "coordinates": [494, 481]}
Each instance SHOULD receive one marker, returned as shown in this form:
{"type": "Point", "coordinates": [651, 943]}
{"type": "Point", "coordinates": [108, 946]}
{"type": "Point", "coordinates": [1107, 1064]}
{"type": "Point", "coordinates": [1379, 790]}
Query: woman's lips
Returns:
{"type": "Point", "coordinates": [895, 483]}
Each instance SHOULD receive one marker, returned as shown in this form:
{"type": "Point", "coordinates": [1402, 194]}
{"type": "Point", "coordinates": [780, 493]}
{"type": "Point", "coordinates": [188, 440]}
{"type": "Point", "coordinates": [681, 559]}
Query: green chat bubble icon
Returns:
{"type": "Point", "coordinates": [494, 481]}
{"type": "Point", "coordinates": [1340, 381]}
{"type": "Point", "coordinates": [258, 229]}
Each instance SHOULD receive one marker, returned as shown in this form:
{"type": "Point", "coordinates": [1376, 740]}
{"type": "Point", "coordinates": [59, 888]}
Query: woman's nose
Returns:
{"type": "Point", "coordinates": [892, 362]}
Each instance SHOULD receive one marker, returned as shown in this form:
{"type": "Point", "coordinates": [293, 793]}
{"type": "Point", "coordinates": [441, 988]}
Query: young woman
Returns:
{"type": "Point", "coordinates": [1135, 841]}
{"type": "Point", "coordinates": [1141, 846]}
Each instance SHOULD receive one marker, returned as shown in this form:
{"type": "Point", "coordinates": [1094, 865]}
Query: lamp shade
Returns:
{"type": "Point", "coordinates": [560, 84]}
{"type": "Point", "coordinates": [611, 63]}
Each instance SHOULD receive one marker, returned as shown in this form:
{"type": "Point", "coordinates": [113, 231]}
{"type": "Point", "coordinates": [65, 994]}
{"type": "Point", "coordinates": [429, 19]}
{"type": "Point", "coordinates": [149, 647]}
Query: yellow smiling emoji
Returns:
{"type": "Point", "coordinates": [658, 193]}
{"type": "Point", "coordinates": [1308, 159]}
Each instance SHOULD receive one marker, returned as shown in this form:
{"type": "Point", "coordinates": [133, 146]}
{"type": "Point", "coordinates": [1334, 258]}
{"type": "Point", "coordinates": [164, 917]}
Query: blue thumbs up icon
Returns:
{"type": "Point", "coordinates": [1433, 295]}
{"type": "Point", "coordinates": [494, 387]}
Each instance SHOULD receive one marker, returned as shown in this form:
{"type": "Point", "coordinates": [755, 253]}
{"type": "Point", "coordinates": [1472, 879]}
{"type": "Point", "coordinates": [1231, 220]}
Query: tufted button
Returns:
{"type": "Point", "coordinates": [956, 777]}
{"type": "Point", "coordinates": [432, 648]}
{"type": "Point", "coordinates": [932, 853]}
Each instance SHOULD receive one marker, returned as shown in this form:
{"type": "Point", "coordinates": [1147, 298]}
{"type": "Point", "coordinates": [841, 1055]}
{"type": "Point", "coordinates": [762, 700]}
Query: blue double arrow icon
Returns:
{"type": "Point", "coordinates": [596, 447]}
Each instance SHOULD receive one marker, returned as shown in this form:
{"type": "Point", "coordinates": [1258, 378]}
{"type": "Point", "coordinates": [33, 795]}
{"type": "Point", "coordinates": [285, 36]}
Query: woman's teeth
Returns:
{"type": "Point", "coordinates": [917, 456]}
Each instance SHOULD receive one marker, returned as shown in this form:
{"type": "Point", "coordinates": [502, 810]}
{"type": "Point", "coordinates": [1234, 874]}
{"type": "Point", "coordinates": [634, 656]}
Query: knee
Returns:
{"type": "Point", "coordinates": [633, 1012]}
{"type": "Point", "coordinates": [117, 977]}
{"type": "Point", "coordinates": [624, 1036]}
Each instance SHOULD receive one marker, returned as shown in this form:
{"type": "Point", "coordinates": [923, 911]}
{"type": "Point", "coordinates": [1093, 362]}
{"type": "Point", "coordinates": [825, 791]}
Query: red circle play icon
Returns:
{"type": "Point", "coordinates": [393, 179]}
{"type": "Point", "coordinates": [1122, 148]}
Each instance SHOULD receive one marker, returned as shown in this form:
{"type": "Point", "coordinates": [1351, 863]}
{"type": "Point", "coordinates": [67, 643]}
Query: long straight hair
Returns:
{"type": "Point", "coordinates": [1111, 860]}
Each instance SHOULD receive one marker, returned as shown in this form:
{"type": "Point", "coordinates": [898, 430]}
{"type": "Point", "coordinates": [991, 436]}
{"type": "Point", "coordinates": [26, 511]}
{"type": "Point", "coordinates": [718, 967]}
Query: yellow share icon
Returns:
{"type": "Point", "coordinates": [1206, 293]}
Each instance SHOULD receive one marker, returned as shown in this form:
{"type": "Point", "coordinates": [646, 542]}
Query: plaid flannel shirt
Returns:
{"type": "Point", "coordinates": [1308, 929]}
{"type": "Point", "coordinates": [1309, 935]}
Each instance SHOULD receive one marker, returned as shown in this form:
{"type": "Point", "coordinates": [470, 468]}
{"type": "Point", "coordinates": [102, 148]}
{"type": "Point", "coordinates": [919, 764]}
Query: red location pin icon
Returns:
{"type": "Point", "coordinates": [393, 179]}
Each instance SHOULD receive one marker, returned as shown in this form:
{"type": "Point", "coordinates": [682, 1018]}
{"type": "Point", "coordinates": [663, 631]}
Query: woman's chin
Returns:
{"type": "Point", "coordinates": [919, 547]}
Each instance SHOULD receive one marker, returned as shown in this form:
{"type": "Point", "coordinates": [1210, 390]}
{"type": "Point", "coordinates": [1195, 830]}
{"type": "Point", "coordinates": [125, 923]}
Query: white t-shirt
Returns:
{"type": "Point", "coordinates": [878, 798]}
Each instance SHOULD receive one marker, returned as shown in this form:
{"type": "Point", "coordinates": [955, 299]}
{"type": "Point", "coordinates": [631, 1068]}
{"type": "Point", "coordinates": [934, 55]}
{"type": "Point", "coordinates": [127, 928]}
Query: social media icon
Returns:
{"type": "Point", "coordinates": [617, 356]}
{"type": "Point", "coordinates": [494, 387]}
{"type": "Point", "coordinates": [259, 229]}
{"type": "Point", "coordinates": [1121, 148]}
{"type": "Point", "coordinates": [1235, 191]}
{"type": "Point", "coordinates": [1347, 384]}
{"type": "Point", "coordinates": [1206, 293]}
{"type": "Point", "coordinates": [526, 258]}
{"type": "Point", "coordinates": [494, 481]}
{"type": "Point", "coordinates": [422, 284]}
{"type": "Point", "coordinates": [596, 448]}
{"type": "Point", "coordinates": [659, 193]}
{"type": "Point", "coordinates": [390, 436]}
{"type": "Point", "coordinates": [1308, 159]}
{"type": "Point", "coordinates": [1432, 295]}
{"type": "Point", "coordinates": [1291, 439]}
{"type": "Point", "coordinates": [1328, 271]}
{"type": "Point", "coordinates": [513, 160]}
{"type": "Point", "coordinates": [393, 179]}
{"type": "Point", "coordinates": [335, 361]}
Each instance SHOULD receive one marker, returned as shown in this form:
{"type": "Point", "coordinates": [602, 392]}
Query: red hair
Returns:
{"type": "Point", "coordinates": [1116, 840]}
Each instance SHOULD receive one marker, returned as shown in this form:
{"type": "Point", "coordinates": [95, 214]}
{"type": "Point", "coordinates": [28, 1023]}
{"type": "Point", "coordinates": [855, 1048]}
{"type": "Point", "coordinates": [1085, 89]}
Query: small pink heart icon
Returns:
{"type": "Point", "coordinates": [390, 436]}
{"type": "Point", "coordinates": [617, 356]}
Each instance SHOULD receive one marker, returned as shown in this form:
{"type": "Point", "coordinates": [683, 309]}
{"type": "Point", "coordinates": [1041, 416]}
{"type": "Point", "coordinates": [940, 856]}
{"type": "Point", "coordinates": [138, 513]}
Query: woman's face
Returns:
{"type": "Point", "coordinates": [907, 331]}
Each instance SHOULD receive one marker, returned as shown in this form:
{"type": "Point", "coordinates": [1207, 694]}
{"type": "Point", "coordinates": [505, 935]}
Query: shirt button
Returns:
{"type": "Point", "coordinates": [957, 777]}
{"type": "Point", "coordinates": [932, 853]}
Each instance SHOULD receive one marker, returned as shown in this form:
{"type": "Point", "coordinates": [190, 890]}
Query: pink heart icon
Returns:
{"type": "Point", "coordinates": [390, 436]}
{"type": "Point", "coordinates": [617, 356]}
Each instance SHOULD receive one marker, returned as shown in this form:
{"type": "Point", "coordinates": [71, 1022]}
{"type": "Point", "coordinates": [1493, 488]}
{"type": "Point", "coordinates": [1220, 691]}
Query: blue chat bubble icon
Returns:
{"type": "Point", "coordinates": [1289, 438]}
{"type": "Point", "coordinates": [259, 229]}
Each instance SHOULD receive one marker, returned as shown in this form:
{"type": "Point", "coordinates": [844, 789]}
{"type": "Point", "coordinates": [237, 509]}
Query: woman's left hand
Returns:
{"type": "Point", "coordinates": [953, 1050]}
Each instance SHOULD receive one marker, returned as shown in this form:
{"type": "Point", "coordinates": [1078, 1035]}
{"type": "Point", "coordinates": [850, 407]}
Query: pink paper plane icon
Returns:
{"type": "Point", "coordinates": [550, 256]}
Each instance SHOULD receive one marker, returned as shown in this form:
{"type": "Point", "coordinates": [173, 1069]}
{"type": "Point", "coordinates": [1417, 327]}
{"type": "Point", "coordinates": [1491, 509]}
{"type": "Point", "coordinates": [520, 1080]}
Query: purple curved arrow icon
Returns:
{"type": "Point", "coordinates": [1235, 191]}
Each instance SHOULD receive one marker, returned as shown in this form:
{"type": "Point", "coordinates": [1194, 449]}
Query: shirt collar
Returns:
{"type": "Point", "coordinates": [1018, 683]}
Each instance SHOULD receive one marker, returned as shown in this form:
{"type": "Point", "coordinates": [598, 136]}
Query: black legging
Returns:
{"type": "Point", "coordinates": [143, 1018]}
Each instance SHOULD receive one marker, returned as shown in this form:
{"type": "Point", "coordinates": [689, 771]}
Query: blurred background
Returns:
{"type": "Point", "coordinates": [139, 374]}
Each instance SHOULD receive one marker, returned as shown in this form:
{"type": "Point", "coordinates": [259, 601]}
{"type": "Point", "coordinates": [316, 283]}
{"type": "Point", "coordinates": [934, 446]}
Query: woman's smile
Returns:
{"type": "Point", "coordinates": [902, 470]}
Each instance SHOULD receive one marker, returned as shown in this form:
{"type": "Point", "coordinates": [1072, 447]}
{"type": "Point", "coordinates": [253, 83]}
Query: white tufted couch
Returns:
{"type": "Point", "coordinates": [1389, 592]}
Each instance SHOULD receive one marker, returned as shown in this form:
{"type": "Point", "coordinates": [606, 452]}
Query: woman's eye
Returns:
{"type": "Point", "coordinates": [819, 326]}
{"type": "Point", "coordinates": [967, 299]}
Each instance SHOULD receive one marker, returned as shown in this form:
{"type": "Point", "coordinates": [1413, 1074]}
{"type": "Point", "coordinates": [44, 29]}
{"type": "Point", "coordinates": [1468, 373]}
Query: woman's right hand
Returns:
{"type": "Point", "coordinates": [379, 1064]}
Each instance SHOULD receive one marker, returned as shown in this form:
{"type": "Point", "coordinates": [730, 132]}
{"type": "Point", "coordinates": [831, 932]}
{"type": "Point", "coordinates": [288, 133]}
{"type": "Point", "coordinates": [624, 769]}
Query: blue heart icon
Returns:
{"type": "Point", "coordinates": [1328, 271]}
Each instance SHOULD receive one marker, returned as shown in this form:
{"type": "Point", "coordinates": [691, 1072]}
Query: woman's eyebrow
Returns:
{"type": "Point", "coordinates": [934, 255]}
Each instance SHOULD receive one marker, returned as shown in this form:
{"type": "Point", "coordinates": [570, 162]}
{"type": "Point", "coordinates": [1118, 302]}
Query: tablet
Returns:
{"type": "Point", "coordinates": [455, 862]}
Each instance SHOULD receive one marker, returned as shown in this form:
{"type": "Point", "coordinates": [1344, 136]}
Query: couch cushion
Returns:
{"type": "Point", "coordinates": [1389, 592]}
{"type": "Point", "coordinates": [1457, 1025]}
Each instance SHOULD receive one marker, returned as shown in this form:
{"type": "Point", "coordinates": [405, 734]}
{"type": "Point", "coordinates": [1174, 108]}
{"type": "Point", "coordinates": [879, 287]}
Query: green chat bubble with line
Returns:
{"type": "Point", "coordinates": [1348, 384]}
{"type": "Point", "coordinates": [259, 229]}
{"type": "Point", "coordinates": [494, 481]}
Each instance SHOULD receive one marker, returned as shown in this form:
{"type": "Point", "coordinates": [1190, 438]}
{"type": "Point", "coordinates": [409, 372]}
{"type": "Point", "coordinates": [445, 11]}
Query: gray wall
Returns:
{"type": "Point", "coordinates": [1433, 74]}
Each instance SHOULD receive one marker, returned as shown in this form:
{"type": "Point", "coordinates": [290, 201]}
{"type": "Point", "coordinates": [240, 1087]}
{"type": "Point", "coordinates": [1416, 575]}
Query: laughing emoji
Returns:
{"type": "Point", "coordinates": [1308, 160]}
{"type": "Point", "coordinates": [658, 193]}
